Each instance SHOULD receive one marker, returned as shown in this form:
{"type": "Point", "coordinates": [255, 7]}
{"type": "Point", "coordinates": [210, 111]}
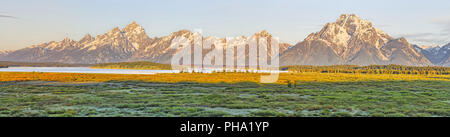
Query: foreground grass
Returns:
{"type": "Point", "coordinates": [231, 94]}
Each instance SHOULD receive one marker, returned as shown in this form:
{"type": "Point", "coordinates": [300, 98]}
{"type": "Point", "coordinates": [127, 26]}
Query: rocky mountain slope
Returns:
{"type": "Point", "coordinates": [113, 46]}
{"type": "Point", "coordinates": [437, 55]}
{"type": "Point", "coordinates": [118, 45]}
{"type": "Point", "coordinates": [348, 40]}
{"type": "Point", "coordinates": [351, 40]}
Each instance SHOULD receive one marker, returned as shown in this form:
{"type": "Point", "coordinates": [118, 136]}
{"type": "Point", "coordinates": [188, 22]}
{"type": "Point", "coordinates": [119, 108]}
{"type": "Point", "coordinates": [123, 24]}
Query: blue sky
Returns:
{"type": "Point", "coordinates": [30, 22]}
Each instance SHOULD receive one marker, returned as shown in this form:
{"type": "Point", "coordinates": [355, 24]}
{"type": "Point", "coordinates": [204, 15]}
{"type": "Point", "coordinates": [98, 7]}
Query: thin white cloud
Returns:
{"type": "Point", "coordinates": [7, 16]}
{"type": "Point", "coordinates": [438, 38]}
{"type": "Point", "coordinates": [429, 39]}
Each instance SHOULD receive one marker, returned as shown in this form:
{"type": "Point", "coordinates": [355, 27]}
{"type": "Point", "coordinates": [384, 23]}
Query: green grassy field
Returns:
{"type": "Point", "coordinates": [156, 99]}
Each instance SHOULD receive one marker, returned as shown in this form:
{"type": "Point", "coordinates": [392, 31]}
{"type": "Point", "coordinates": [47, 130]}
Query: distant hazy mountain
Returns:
{"type": "Point", "coordinates": [351, 40]}
{"type": "Point", "coordinates": [129, 44]}
{"type": "Point", "coordinates": [437, 55]}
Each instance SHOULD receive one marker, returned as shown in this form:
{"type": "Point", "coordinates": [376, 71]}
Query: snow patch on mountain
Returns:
{"type": "Point", "coordinates": [341, 34]}
{"type": "Point", "coordinates": [354, 41]}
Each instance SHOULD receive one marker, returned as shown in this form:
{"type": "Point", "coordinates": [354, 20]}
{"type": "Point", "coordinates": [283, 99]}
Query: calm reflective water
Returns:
{"type": "Point", "coordinates": [83, 70]}
{"type": "Point", "coordinates": [113, 71]}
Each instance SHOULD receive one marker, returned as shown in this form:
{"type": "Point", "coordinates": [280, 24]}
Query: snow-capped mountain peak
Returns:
{"type": "Point", "coordinates": [133, 28]}
{"type": "Point", "coordinates": [352, 23]}
{"type": "Point", "coordinates": [114, 32]}
{"type": "Point", "coordinates": [352, 40]}
{"type": "Point", "coordinates": [433, 49]}
{"type": "Point", "coordinates": [348, 40]}
{"type": "Point", "coordinates": [136, 34]}
{"type": "Point", "coordinates": [347, 29]}
{"type": "Point", "coordinates": [437, 55]}
{"type": "Point", "coordinates": [67, 41]}
{"type": "Point", "coordinates": [86, 39]}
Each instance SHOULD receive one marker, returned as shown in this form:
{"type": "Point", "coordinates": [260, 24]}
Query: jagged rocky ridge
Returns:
{"type": "Point", "coordinates": [437, 55]}
{"type": "Point", "coordinates": [129, 44]}
{"type": "Point", "coordinates": [348, 40]}
{"type": "Point", "coordinates": [351, 40]}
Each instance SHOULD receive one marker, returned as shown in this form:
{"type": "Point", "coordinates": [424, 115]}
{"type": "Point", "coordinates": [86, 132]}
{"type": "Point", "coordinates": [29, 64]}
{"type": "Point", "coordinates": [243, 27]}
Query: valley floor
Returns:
{"type": "Point", "coordinates": [225, 94]}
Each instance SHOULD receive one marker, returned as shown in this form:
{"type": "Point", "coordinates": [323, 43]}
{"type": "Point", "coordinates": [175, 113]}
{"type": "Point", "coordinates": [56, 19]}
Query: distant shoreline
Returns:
{"type": "Point", "coordinates": [39, 64]}
{"type": "Point", "coordinates": [141, 65]}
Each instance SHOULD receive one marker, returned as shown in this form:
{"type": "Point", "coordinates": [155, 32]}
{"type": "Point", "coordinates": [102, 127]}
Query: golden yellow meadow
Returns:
{"type": "Point", "coordinates": [213, 77]}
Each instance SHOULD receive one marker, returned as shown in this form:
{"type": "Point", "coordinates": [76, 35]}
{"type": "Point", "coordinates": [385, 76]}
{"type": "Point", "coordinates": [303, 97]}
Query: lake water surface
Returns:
{"type": "Point", "coordinates": [108, 71]}
{"type": "Point", "coordinates": [83, 70]}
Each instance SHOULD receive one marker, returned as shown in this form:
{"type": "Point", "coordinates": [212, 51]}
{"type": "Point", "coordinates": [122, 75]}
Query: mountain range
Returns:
{"type": "Point", "coordinates": [118, 45]}
{"type": "Point", "coordinates": [348, 40]}
{"type": "Point", "coordinates": [437, 55]}
{"type": "Point", "coordinates": [351, 40]}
